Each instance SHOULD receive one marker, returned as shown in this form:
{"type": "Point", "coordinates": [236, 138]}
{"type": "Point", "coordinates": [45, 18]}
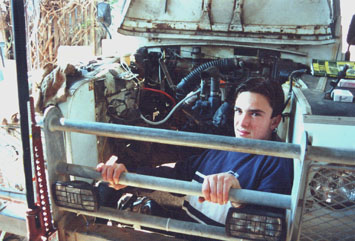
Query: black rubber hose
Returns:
{"type": "Point", "coordinates": [188, 83]}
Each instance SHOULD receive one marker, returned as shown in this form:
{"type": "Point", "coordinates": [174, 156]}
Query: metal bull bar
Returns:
{"type": "Point", "coordinates": [55, 125]}
{"type": "Point", "coordinates": [262, 147]}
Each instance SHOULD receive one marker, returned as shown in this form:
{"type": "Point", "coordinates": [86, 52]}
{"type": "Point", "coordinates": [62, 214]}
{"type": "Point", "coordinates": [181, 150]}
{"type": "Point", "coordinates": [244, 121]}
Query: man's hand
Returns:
{"type": "Point", "coordinates": [111, 172]}
{"type": "Point", "coordinates": [215, 188]}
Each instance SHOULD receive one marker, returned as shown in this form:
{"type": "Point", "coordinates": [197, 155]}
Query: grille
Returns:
{"type": "Point", "coordinates": [329, 212]}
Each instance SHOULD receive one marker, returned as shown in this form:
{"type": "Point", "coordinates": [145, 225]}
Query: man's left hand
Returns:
{"type": "Point", "coordinates": [215, 188]}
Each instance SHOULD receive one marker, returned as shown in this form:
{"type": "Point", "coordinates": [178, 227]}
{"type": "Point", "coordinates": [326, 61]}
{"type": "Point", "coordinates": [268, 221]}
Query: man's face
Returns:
{"type": "Point", "coordinates": [252, 117]}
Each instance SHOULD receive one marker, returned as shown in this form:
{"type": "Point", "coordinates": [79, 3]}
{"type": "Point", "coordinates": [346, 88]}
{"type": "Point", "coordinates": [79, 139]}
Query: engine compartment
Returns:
{"type": "Point", "coordinates": [182, 88]}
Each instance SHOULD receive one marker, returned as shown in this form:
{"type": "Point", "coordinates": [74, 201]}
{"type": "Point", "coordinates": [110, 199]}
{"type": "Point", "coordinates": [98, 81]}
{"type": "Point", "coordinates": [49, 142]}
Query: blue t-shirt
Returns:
{"type": "Point", "coordinates": [254, 172]}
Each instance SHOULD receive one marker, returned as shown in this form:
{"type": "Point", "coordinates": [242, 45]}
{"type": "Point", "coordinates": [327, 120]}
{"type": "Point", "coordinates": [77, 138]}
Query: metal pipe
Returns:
{"type": "Point", "coordinates": [166, 224]}
{"type": "Point", "coordinates": [19, 31]}
{"type": "Point", "coordinates": [178, 186]}
{"type": "Point", "coordinates": [331, 155]}
{"type": "Point", "coordinates": [225, 143]}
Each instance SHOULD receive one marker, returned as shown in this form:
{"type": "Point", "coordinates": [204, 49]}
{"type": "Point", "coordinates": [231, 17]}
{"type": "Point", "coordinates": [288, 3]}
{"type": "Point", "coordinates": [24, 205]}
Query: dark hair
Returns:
{"type": "Point", "coordinates": [272, 90]}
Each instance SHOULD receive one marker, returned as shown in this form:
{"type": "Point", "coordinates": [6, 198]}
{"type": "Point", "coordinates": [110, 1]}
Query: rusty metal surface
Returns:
{"type": "Point", "coordinates": [234, 20]}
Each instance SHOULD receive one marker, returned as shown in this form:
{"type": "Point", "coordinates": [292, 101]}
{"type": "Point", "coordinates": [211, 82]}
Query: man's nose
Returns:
{"type": "Point", "coordinates": [244, 120]}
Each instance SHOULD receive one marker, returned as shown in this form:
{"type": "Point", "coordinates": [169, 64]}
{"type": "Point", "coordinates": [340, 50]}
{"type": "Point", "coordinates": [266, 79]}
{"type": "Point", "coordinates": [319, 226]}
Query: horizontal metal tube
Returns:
{"type": "Point", "coordinates": [260, 147]}
{"type": "Point", "coordinates": [180, 138]}
{"type": "Point", "coordinates": [180, 187]}
{"type": "Point", "coordinates": [166, 224]}
{"type": "Point", "coordinates": [331, 155]}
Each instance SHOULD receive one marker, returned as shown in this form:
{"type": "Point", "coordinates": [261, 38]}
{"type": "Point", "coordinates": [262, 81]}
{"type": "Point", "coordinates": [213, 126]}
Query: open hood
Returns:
{"type": "Point", "coordinates": [296, 22]}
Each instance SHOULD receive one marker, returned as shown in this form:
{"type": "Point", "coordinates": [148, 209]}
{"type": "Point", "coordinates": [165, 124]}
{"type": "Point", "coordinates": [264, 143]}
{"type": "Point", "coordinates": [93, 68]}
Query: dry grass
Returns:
{"type": "Point", "coordinates": [60, 22]}
{"type": "Point", "coordinates": [50, 24]}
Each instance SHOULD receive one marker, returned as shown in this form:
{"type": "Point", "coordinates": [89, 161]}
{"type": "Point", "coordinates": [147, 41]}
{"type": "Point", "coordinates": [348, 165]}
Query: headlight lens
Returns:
{"type": "Point", "coordinates": [256, 223]}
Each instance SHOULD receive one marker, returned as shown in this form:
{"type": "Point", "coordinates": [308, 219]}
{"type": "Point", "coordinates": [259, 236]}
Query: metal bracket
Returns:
{"type": "Point", "coordinates": [55, 150]}
{"type": "Point", "coordinates": [167, 74]}
{"type": "Point", "coordinates": [236, 22]}
{"type": "Point", "coordinates": [205, 21]}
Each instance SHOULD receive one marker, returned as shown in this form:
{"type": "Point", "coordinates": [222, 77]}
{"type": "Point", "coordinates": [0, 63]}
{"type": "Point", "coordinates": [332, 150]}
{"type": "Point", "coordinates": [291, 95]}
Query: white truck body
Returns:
{"type": "Point", "coordinates": [266, 31]}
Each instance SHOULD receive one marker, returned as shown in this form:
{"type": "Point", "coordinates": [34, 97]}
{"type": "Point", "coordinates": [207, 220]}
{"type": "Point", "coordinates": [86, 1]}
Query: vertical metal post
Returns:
{"type": "Point", "coordinates": [18, 18]}
{"type": "Point", "coordinates": [19, 31]}
{"type": "Point", "coordinates": [297, 204]}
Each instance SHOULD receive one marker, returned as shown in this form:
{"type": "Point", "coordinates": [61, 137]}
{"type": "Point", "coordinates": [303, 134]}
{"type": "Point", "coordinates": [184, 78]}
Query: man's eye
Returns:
{"type": "Point", "coordinates": [237, 111]}
{"type": "Point", "coordinates": [254, 114]}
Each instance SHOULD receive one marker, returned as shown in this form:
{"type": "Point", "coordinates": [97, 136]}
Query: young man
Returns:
{"type": "Point", "coordinates": [258, 107]}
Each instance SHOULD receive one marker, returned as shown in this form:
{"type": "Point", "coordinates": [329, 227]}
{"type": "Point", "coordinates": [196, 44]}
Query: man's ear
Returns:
{"type": "Point", "coordinates": [275, 121]}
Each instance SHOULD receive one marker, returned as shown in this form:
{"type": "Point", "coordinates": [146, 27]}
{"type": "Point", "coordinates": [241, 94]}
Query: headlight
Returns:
{"type": "Point", "coordinates": [76, 194]}
{"type": "Point", "coordinates": [256, 223]}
